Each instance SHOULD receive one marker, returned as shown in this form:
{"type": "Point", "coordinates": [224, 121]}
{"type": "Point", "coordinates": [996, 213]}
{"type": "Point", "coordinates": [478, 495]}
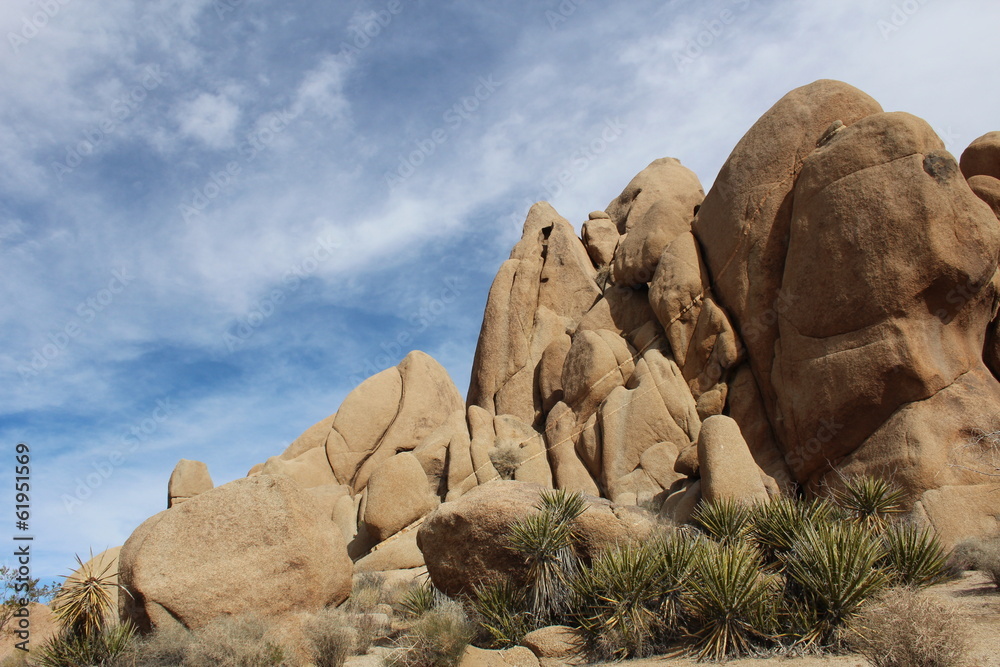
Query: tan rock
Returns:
{"type": "Point", "coordinates": [397, 495]}
{"type": "Point", "coordinates": [345, 516]}
{"type": "Point", "coordinates": [328, 496]}
{"type": "Point", "coordinates": [622, 310]}
{"type": "Point", "coordinates": [308, 469]}
{"type": "Point", "coordinates": [432, 453]}
{"type": "Point", "coordinates": [659, 461]}
{"type": "Point", "coordinates": [597, 362]}
{"type": "Point", "coordinates": [987, 188]}
{"type": "Point", "coordinates": [747, 409]}
{"type": "Point", "coordinates": [261, 537]}
{"type": "Point", "coordinates": [461, 471]}
{"type": "Point", "coordinates": [960, 512]}
{"type": "Point", "coordinates": [677, 290]}
{"type": "Point", "coordinates": [600, 236]}
{"type": "Point", "coordinates": [399, 552]}
{"type": "Point", "coordinates": [557, 642]}
{"type": "Point", "coordinates": [680, 505]}
{"type": "Point", "coordinates": [534, 467]}
{"type": "Point", "coordinates": [188, 479]}
{"type": "Point", "coordinates": [686, 462]}
{"type": "Point", "coordinates": [465, 542]}
{"type": "Point", "coordinates": [561, 434]}
{"type": "Point", "coordinates": [314, 436]}
{"type": "Point", "coordinates": [390, 412]}
{"type": "Point", "coordinates": [550, 371]}
{"type": "Point", "coordinates": [655, 207]}
{"type": "Point", "coordinates": [727, 468]}
{"type": "Point", "coordinates": [518, 656]}
{"type": "Point", "coordinates": [982, 157]}
{"type": "Point", "coordinates": [483, 440]}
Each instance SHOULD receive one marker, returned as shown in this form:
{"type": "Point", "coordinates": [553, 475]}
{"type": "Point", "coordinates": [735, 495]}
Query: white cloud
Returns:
{"type": "Point", "coordinates": [209, 118]}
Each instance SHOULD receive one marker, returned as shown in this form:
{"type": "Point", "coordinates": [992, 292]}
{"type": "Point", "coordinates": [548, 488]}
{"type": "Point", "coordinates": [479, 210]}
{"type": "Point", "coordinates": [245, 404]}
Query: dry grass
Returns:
{"type": "Point", "coordinates": [437, 639]}
{"type": "Point", "coordinates": [506, 459]}
{"type": "Point", "coordinates": [905, 629]}
{"type": "Point", "coordinates": [981, 554]}
{"type": "Point", "coordinates": [233, 641]}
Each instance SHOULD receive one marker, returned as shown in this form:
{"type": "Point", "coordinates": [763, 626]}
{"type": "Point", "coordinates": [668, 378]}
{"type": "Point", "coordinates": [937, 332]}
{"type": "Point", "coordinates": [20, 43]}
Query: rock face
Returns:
{"type": "Point", "coordinates": [188, 479]}
{"type": "Point", "coordinates": [465, 545]}
{"type": "Point", "coordinates": [256, 543]}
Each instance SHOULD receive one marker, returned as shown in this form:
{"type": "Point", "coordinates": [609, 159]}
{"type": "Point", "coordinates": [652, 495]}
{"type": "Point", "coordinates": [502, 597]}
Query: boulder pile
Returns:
{"type": "Point", "coordinates": [828, 309]}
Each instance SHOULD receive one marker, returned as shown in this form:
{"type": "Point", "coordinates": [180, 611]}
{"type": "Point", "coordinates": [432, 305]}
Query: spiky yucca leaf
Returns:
{"type": "Point", "coordinates": [84, 604]}
{"type": "Point", "coordinates": [776, 524]}
{"type": "Point", "coordinates": [914, 556]}
{"type": "Point", "coordinates": [564, 506]}
{"type": "Point", "coordinates": [421, 599]}
{"type": "Point", "coordinates": [67, 649]}
{"type": "Point", "coordinates": [871, 500]}
{"type": "Point", "coordinates": [725, 520]}
{"type": "Point", "coordinates": [833, 569]}
{"type": "Point", "coordinates": [626, 600]}
{"type": "Point", "coordinates": [731, 604]}
{"type": "Point", "coordinates": [503, 613]}
{"type": "Point", "coordinates": [547, 544]}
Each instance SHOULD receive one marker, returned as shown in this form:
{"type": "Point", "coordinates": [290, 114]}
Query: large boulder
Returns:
{"type": "Point", "coordinates": [655, 208]}
{"type": "Point", "coordinates": [728, 471]}
{"type": "Point", "coordinates": [465, 542]}
{"type": "Point", "coordinates": [398, 495]}
{"type": "Point", "coordinates": [255, 543]}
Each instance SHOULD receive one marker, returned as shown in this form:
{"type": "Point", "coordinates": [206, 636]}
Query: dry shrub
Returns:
{"type": "Point", "coordinates": [903, 628]}
{"type": "Point", "coordinates": [335, 634]}
{"type": "Point", "coordinates": [506, 459]}
{"type": "Point", "coordinates": [163, 648]}
{"type": "Point", "coordinates": [233, 641]}
{"type": "Point", "coordinates": [437, 639]}
{"type": "Point", "coordinates": [979, 554]}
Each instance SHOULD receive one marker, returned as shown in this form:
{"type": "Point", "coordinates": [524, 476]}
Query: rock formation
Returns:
{"type": "Point", "coordinates": [829, 308]}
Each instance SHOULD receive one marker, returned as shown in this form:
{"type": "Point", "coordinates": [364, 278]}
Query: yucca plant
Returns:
{"type": "Point", "coordinates": [547, 541]}
{"type": "Point", "coordinates": [832, 569]}
{"type": "Point", "coordinates": [914, 556]}
{"type": "Point", "coordinates": [725, 520]}
{"type": "Point", "coordinates": [626, 601]}
{"type": "Point", "coordinates": [67, 649]}
{"type": "Point", "coordinates": [776, 524]}
{"type": "Point", "coordinates": [871, 500]}
{"type": "Point", "coordinates": [503, 613]}
{"type": "Point", "coordinates": [731, 604]}
{"type": "Point", "coordinates": [419, 600]}
{"type": "Point", "coordinates": [84, 604]}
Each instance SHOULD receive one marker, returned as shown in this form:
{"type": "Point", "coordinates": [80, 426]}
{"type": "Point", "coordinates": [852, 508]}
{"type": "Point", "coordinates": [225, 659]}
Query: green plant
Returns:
{"type": "Point", "coordinates": [71, 649]}
{"type": "Point", "coordinates": [776, 524]}
{"type": "Point", "coordinates": [502, 610]}
{"type": "Point", "coordinates": [905, 629]}
{"type": "Point", "coordinates": [871, 500]}
{"type": "Point", "coordinates": [547, 541]}
{"type": "Point", "coordinates": [731, 605]}
{"type": "Point", "coordinates": [233, 641]}
{"type": "Point", "coordinates": [506, 459]}
{"type": "Point", "coordinates": [725, 520]}
{"type": "Point", "coordinates": [626, 602]}
{"type": "Point", "coordinates": [421, 599]}
{"type": "Point", "coordinates": [914, 556]}
{"type": "Point", "coordinates": [84, 605]}
{"type": "Point", "coordinates": [832, 569]}
{"type": "Point", "coordinates": [437, 639]}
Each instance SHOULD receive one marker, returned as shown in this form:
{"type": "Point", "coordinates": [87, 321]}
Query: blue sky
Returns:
{"type": "Point", "coordinates": [218, 216]}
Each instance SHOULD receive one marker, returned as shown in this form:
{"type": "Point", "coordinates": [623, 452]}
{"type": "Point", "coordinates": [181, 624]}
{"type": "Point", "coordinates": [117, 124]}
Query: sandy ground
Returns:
{"type": "Point", "coordinates": [973, 594]}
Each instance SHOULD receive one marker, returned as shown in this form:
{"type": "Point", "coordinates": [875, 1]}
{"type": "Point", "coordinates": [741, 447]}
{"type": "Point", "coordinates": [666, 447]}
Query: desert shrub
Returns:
{"type": "Point", "coordinates": [627, 600]}
{"type": "Point", "coordinates": [366, 593]}
{"type": "Point", "coordinates": [547, 541]}
{"type": "Point", "coordinates": [870, 500]}
{"type": "Point", "coordinates": [11, 593]}
{"type": "Point", "coordinates": [101, 647]}
{"type": "Point", "coordinates": [163, 648]}
{"type": "Point", "coordinates": [914, 556]}
{"type": "Point", "coordinates": [233, 641]}
{"type": "Point", "coordinates": [776, 524]}
{"type": "Point", "coordinates": [421, 599]}
{"type": "Point", "coordinates": [731, 605]}
{"type": "Point", "coordinates": [832, 570]}
{"type": "Point", "coordinates": [437, 639]}
{"type": "Point", "coordinates": [979, 554]}
{"type": "Point", "coordinates": [502, 611]}
{"type": "Point", "coordinates": [332, 637]}
{"type": "Point", "coordinates": [506, 459]}
{"type": "Point", "coordinates": [726, 520]}
{"type": "Point", "coordinates": [905, 629]}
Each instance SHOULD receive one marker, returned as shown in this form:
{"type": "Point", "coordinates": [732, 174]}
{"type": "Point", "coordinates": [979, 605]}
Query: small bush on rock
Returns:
{"type": "Point", "coordinates": [905, 629]}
